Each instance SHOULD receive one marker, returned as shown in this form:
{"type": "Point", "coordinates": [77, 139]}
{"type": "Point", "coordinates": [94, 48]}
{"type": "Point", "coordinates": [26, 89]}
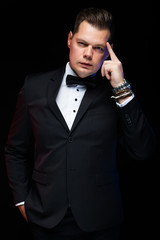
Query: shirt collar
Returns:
{"type": "Point", "coordinates": [69, 70]}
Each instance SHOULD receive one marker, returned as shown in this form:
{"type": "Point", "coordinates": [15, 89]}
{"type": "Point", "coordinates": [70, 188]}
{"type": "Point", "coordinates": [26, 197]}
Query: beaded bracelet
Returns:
{"type": "Point", "coordinates": [123, 95]}
{"type": "Point", "coordinates": [123, 91]}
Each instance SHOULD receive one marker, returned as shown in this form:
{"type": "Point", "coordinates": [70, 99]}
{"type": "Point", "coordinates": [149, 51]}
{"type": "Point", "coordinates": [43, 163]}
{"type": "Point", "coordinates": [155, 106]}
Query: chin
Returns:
{"type": "Point", "coordinates": [85, 73]}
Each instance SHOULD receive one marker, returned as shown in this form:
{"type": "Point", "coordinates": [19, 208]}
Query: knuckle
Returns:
{"type": "Point", "coordinates": [119, 64]}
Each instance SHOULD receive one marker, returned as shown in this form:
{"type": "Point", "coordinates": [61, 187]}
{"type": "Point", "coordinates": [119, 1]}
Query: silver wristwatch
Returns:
{"type": "Point", "coordinates": [124, 85]}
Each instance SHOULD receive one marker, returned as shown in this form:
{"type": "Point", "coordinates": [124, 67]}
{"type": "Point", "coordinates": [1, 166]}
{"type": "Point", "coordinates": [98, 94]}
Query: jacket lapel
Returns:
{"type": "Point", "coordinates": [90, 96]}
{"type": "Point", "coordinates": [53, 88]}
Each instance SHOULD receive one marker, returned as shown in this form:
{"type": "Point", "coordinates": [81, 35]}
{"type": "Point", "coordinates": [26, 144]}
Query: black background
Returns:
{"type": "Point", "coordinates": [33, 38]}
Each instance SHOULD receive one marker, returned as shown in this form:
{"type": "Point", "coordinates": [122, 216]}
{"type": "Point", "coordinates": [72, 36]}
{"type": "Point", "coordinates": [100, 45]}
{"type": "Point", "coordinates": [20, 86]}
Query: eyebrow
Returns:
{"type": "Point", "coordinates": [96, 45]}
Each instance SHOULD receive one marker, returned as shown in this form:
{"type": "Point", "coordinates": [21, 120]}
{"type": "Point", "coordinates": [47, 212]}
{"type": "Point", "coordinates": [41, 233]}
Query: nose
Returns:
{"type": "Point", "coordinates": [88, 53]}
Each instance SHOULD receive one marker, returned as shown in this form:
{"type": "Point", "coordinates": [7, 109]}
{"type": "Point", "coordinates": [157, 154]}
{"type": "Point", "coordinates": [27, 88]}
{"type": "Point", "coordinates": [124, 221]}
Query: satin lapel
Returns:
{"type": "Point", "coordinates": [53, 87]}
{"type": "Point", "coordinates": [90, 96]}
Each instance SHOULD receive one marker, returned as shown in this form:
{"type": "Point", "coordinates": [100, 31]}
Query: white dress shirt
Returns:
{"type": "Point", "coordinates": [69, 99]}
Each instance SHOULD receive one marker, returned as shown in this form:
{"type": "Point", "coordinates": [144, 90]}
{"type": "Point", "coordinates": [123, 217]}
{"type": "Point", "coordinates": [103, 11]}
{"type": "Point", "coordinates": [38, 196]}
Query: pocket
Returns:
{"type": "Point", "coordinates": [39, 177]}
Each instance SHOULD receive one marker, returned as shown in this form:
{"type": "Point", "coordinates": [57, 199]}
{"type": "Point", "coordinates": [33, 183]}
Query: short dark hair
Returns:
{"type": "Point", "coordinates": [99, 18]}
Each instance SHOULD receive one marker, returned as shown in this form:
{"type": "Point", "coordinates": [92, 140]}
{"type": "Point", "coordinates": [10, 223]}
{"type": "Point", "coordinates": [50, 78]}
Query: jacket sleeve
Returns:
{"type": "Point", "coordinates": [137, 136]}
{"type": "Point", "coordinates": [17, 150]}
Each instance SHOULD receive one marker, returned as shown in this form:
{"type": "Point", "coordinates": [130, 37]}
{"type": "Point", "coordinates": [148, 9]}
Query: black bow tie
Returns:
{"type": "Point", "coordinates": [88, 81]}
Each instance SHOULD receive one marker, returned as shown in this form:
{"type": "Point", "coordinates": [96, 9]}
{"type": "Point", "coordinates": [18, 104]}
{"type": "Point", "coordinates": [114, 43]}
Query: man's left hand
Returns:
{"type": "Point", "coordinates": [112, 69]}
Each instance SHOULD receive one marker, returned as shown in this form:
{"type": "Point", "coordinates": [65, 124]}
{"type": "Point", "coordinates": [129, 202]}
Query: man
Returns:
{"type": "Point", "coordinates": [74, 126]}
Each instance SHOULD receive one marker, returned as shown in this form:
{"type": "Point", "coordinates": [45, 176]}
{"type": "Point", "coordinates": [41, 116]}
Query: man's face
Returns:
{"type": "Point", "coordinates": [87, 49]}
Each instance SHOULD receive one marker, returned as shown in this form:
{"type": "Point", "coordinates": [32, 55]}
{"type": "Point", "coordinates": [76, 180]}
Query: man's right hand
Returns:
{"type": "Point", "coordinates": [23, 211]}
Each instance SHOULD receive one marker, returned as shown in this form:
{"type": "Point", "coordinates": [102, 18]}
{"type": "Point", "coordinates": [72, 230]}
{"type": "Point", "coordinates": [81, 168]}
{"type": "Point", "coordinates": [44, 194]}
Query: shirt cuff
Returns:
{"type": "Point", "coordinates": [126, 101]}
{"type": "Point", "coordinates": [19, 204]}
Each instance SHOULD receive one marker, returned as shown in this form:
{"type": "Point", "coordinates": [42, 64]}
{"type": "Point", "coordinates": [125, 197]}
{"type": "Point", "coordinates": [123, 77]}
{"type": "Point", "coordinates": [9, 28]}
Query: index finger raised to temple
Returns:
{"type": "Point", "coordinates": [111, 52]}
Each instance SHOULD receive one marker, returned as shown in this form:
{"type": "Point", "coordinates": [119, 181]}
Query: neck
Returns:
{"type": "Point", "coordinates": [76, 74]}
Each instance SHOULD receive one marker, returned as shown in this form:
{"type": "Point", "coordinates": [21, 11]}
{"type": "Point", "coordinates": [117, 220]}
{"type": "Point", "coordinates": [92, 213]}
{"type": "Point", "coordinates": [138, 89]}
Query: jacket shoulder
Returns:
{"type": "Point", "coordinates": [36, 84]}
{"type": "Point", "coordinates": [42, 77]}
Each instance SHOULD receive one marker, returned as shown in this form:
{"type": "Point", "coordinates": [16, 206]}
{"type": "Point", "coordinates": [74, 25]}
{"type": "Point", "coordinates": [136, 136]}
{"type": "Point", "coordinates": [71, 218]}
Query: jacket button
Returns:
{"type": "Point", "coordinates": [129, 122]}
{"type": "Point", "coordinates": [70, 139]}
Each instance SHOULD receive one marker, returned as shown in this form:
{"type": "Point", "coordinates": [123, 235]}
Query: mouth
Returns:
{"type": "Point", "coordinates": [85, 65]}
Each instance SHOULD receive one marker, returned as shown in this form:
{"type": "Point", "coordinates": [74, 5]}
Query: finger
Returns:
{"type": "Point", "coordinates": [106, 71]}
{"type": "Point", "coordinates": [111, 52]}
{"type": "Point", "coordinates": [103, 67]}
{"type": "Point", "coordinates": [106, 63]}
{"type": "Point", "coordinates": [102, 71]}
{"type": "Point", "coordinates": [107, 74]}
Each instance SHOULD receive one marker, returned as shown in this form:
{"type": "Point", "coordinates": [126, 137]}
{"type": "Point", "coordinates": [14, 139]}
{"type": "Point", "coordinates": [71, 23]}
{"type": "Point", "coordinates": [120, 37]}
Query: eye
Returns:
{"type": "Point", "coordinates": [82, 44]}
{"type": "Point", "coordinates": [99, 49]}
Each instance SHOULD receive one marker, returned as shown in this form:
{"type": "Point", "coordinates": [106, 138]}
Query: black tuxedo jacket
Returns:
{"type": "Point", "coordinates": [77, 167]}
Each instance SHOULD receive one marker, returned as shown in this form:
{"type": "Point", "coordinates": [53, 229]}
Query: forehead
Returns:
{"type": "Point", "coordinates": [92, 34]}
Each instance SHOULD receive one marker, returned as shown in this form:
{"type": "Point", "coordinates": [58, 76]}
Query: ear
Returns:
{"type": "Point", "coordinates": [70, 35]}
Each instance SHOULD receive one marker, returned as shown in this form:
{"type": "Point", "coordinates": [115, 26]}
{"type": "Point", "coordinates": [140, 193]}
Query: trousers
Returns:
{"type": "Point", "coordinates": [68, 229]}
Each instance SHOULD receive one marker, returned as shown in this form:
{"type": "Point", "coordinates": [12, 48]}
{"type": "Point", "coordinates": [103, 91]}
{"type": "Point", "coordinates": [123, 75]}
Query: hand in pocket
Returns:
{"type": "Point", "coordinates": [23, 211]}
